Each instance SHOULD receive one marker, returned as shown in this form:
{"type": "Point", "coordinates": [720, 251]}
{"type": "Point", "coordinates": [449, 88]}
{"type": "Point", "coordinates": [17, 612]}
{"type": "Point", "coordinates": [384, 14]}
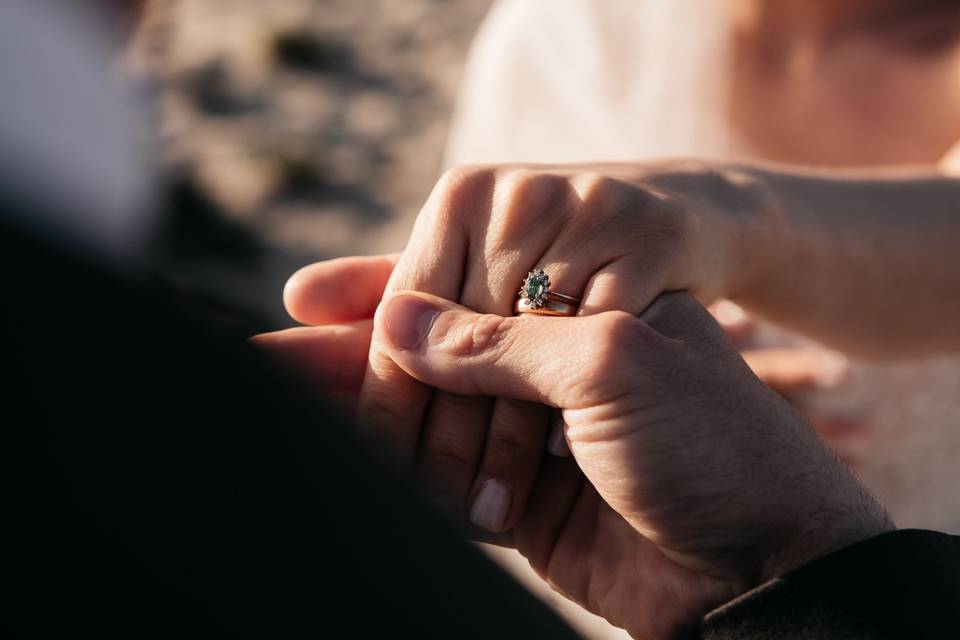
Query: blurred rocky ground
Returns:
{"type": "Point", "coordinates": [292, 130]}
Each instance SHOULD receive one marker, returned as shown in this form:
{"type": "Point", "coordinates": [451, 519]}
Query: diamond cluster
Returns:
{"type": "Point", "coordinates": [535, 288]}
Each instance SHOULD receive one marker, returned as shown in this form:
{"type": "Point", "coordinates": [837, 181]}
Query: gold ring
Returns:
{"type": "Point", "coordinates": [550, 308]}
{"type": "Point", "coordinates": [535, 297]}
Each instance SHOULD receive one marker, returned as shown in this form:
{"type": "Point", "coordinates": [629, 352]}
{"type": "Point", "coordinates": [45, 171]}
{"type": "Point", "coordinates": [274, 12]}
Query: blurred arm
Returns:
{"type": "Point", "coordinates": [866, 263]}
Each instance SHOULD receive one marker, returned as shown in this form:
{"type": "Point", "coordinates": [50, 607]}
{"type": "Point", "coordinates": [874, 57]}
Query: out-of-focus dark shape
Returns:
{"type": "Point", "coordinates": [319, 126]}
{"type": "Point", "coordinates": [217, 94]}
{"type": "Point", "coordinates": [195, 226]}
{"type": "Point", "coordinates": [301, 49]}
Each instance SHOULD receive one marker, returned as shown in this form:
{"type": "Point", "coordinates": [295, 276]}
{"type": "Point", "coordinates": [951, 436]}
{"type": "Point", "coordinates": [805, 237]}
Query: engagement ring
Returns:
{"type": "Point", "coordinates": [536, 297]}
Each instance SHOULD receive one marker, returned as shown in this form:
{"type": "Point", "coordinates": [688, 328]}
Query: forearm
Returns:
{"type": "Point", "coordinates": [866, 263]}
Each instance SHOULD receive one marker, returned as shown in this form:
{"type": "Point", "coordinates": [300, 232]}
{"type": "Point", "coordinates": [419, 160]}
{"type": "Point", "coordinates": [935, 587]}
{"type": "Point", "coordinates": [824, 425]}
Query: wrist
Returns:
{"type": "Point", "coordinates": [828, 528]}
{"type": "Point", "coordinates": [757, 236]}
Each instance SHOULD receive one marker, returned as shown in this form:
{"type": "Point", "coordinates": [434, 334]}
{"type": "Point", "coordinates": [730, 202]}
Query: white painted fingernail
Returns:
{"type": "Point", "coordinates": [490, 507]}
{"type": "Point", "coordinates": [833, 368]}
{"type": "Point", "coordinates": [556, 442]}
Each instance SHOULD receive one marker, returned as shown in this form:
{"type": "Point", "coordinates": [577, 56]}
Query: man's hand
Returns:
{"type": "Point", "coordinates": [701, 481]}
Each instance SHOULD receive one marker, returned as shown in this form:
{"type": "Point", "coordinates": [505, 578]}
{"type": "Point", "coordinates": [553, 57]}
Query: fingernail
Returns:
{"type": "Point", "coordinates": [833, 368]}
{"type": "Point", "coordinates": [408, 320]}
{"type": "Point", "coordinates": [490, 507]}
{"type": "Point", "coordinates": [556, 442]}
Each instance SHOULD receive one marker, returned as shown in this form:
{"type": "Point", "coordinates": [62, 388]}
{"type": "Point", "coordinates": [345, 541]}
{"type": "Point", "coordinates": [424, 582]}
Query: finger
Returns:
{"type": "Point", "coordinates": [576, 536]}
{"type": "Point", "coordinates": [392, 404]}
{"type": "Point", "coordinates": [332, 357]}
{"type": "Point", "coordinates": [628, 278]}
{"type": "Point", "coordinates": [541, 209]}
{"type": "Point", "coordinates": [551, 501]}
{"type": "Point", "coordinates": [616, 277]}
{"type": "Point", "coordinates": [629, 284]}
{"type": "Point", "coordinates": [340, 290]}
{"type": "Point", "coordinates": [530, 209]}
{"type": "Point", "coordinates": [586, 247]}
{"type": "Point", "coordinates": [511, 457]}
{"type": "Point", "coordinates": [450, 446]}
{"type": "Point", "coordinates": [789, 370]}
{"type": "Point", "coordinates": [569, 363]}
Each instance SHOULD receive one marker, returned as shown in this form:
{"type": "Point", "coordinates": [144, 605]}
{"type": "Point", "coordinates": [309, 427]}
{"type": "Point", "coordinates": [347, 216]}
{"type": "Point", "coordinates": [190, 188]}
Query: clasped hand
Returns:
{"type": "Point", "coordinates": [690, 481]}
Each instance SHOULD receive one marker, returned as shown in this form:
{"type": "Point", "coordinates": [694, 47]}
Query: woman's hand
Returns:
{"type": "Point", "coordinates": [701, 481]}
{"type": "Point", "coordinates": [615, 235]}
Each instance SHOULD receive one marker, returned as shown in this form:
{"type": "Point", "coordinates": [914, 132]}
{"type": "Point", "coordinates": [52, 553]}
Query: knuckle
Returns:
{"type": "Point", "coordinates": [460, 188]}
{"type": "Point", "coordinates": [618, 329]}
{"type": "Point", "coordinates": [445, 461]}
{"type": "Point", "coordinates": [614, 343]}
{"type": "Point", "coordinates": [508, 449]}
{"type": "Point", "coordinates": [605, 202]}
{"type": "Point", "coordinates": [601, 193]}
{"type": "Point", "coordinates": [593, 188]}
{"type": "Point", "coordinates": [380, 407]}
{"type": "Point", "coordinates": [526, 186]}
{"type": "Point", "coordinates": [458, 176]}
{"type": "Point", "coordinates": [481, 334]}
{"type": "Point", "coordinates": [660, 215]}
{"type": "Point", "coordinates": [521, 198]}
{"type": "Point", "coordinates": [452, 404]}
{"type": "Point", "coordinates": [513, 182]}
{"type": "Point", "coordinates": [653, 212]}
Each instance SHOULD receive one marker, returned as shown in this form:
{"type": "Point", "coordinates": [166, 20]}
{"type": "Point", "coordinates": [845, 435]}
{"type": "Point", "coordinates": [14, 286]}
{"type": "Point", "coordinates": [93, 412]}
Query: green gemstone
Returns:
{"type": "Point", "coordinates": [535, 287]}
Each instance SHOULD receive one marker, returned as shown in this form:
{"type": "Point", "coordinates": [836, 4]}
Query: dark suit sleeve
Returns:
{"type": "Point", "coordinates": [903, 584]}
{"type": "Point", "coordinates": [159, 481]}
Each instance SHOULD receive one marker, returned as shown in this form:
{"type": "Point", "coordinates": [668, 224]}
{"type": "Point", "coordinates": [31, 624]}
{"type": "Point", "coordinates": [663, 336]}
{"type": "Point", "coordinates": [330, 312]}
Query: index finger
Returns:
{"type": "Point", "coordinates": [340, 290]}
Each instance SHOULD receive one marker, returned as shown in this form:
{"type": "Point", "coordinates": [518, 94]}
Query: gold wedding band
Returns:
{"type": "Point", "coordinates": [550, 308]}
{"type": "Point", "coordinates": [535, 297]}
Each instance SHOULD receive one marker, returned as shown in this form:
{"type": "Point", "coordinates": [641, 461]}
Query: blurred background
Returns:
{"type": "Point", "coordinates": [295, 130]}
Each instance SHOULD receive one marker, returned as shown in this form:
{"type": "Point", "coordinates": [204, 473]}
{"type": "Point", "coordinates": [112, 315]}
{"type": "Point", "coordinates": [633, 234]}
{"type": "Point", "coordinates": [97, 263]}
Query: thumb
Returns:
{"type": "Point", "coordinates": [526, 357]}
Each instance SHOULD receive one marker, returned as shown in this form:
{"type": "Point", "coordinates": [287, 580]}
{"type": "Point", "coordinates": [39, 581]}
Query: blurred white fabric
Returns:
{"type": "Point", "coordinates": [557, 81]}
{"type": "Point", "coordinates": [72, 141]}
{"type": "Point", "coordinates": [581, 80]}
